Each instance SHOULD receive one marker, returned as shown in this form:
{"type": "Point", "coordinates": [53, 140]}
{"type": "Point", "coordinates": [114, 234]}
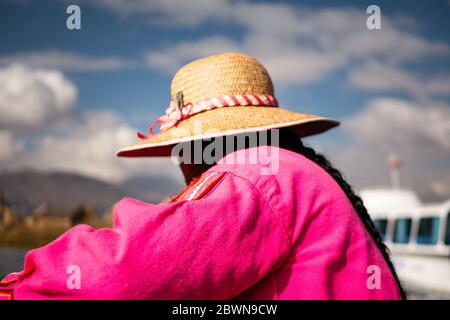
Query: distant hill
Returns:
{"type": "Point", "coordinates": [65, 192]}
{"type": "Point", "coordinates": [151, 189]}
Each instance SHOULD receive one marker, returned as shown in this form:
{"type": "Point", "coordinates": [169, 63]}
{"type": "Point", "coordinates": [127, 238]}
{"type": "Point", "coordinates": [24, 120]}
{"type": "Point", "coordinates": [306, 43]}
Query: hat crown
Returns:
{"type": "Point", "coordinates": [226, 74]}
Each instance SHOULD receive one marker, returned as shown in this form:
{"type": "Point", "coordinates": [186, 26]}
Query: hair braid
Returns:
{"type": "Point", "coordinates": [288, 141]}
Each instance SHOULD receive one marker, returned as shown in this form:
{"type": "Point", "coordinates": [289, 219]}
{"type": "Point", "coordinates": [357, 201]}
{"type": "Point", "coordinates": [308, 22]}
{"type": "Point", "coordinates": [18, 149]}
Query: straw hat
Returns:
{"type": "Point", "coordinates": [220, 95]}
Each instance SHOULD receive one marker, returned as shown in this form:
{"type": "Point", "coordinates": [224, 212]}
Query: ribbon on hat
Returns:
{"type": "Point", "coordinates": [178, 110]}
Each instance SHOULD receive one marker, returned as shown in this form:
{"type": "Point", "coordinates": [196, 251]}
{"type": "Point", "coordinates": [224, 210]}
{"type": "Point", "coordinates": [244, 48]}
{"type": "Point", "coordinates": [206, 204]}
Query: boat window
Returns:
{"type": "Point", "coordinates": [381, 225]}
{"type": "Point", "coordinates": [402, 230]}
{"type": "Point", "coordinates": [428, 230]}
{"type": "Point", "coordinates": [447, 230]}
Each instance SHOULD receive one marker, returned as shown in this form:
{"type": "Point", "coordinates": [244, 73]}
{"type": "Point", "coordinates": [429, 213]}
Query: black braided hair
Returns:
{"type": "Point", "coordinates": [289, 140]}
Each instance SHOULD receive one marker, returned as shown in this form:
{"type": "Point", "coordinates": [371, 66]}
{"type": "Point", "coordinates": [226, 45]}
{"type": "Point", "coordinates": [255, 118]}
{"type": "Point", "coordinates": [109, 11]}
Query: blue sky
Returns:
{"type": "Point", "coordinates": [321, 56]}
{"type": "Point", "coordinates": [40, 25]}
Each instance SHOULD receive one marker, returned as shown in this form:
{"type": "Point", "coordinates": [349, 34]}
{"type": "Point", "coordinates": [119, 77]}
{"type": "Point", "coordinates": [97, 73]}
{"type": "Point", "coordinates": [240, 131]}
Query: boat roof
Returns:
{"type": "Point", "coordinates": [388, 198]}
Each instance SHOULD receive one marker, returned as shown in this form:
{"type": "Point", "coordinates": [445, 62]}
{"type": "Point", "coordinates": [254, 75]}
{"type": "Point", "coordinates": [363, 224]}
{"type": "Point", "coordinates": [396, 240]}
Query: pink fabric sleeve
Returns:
{"type": "Point", "coordinates": [210, 248]}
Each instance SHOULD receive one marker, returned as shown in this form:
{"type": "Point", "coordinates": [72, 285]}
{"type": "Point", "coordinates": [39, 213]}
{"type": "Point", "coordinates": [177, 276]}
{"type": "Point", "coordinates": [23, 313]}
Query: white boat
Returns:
{"type": "Point", "coordinates": [418, 236]}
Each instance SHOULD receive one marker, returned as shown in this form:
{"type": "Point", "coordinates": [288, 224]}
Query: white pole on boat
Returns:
{"type": "Point", "coordinates": [394, 170]}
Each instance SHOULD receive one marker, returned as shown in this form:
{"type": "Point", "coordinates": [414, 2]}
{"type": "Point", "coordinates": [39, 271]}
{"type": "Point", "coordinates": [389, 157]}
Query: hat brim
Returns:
{"type": "Point", "coordinates": [226, 122]}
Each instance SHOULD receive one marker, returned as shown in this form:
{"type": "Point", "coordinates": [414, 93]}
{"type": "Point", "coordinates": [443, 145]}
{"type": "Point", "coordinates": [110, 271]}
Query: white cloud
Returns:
{"type": "Point", "coordinates": [301, 45]}
{"type": "Point", "coordinates": [40, 128]}
{"type": "Point", "coordinates": [67, 61]}
{"type": "Point", "coordinates": [169, 60]}
{"type": "Point", "coordinates": [183, 13]}
{"type": "Point", "coordinates": [30, 98]}
{"type": "Point", "coordinates": [10, 146]}
{"type": "Point", "coordinates": [402, 125]}
{"type": "Point", "coordinates": [87, 146]}
{"type": "Point", "coordinates": [90, 148]}
{"type": "Point", "coordinates": [418, 135]}
{"type": "Point", "coordinates": [375, 76]}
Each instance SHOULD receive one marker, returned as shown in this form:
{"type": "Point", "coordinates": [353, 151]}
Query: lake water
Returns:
{"type": "Point", "coordinates": [11, 260]}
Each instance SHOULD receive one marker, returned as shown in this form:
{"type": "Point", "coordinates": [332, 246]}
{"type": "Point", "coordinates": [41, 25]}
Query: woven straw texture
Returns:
{"type": "Point", "coordinates": [222, 75]}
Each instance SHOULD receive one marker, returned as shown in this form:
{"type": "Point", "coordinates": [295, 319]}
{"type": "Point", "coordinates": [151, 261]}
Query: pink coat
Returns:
{"type": "Point", "coordinates": [279, 229]}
